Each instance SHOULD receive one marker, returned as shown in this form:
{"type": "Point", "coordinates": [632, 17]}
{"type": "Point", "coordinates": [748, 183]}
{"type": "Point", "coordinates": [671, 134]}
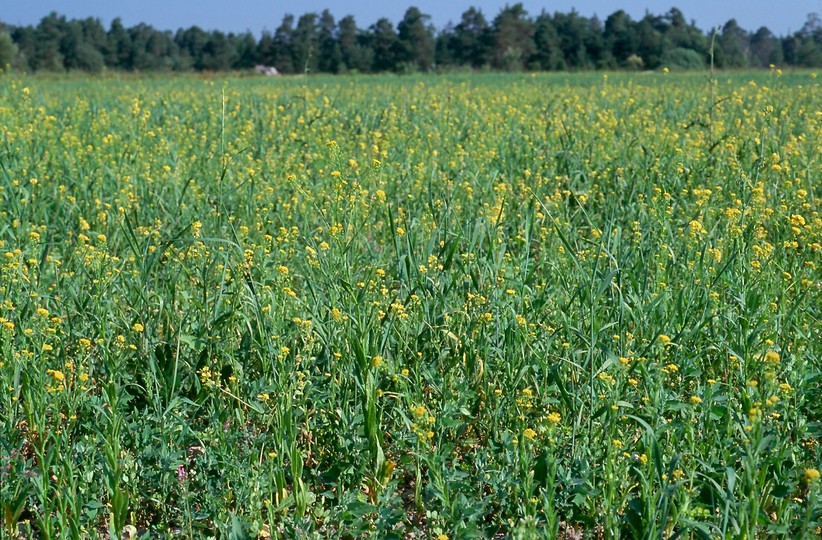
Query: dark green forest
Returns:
{"type": "Point", "coordinates": [317, 43]}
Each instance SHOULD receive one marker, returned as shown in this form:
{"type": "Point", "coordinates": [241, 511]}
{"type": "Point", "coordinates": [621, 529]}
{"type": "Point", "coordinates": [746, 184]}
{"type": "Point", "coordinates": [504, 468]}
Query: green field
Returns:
{"type": "Point", "coordinates": [584, 306]}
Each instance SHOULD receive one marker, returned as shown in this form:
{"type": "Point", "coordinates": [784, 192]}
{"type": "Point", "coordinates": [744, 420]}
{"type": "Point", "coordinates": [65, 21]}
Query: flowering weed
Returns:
{"type": "Point", "coordinates": [411, 307]}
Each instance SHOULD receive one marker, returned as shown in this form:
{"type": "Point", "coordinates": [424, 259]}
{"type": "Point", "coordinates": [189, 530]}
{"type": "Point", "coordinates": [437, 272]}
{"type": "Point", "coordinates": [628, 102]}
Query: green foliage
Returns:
{"type": "Point", "coordinates": [683, 59]}
{"type": "Point", "coordinates": [8, 51]}
{"type": "Point", "coordinates": [312, 43]}
{"type": "Point", "coordinates": [475, 305]}
{"type": "Point", "coordinates": [415, 40]}
{"type": "Point", "coordinates": [512, 38]}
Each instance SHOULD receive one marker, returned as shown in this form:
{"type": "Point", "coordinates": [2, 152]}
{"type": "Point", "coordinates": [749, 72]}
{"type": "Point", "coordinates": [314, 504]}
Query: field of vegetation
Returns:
{"type": "Point", "coordinates": [584, 306]}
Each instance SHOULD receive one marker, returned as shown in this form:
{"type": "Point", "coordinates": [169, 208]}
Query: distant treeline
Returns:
{"type": "Point", "coordinates": [512, 41]}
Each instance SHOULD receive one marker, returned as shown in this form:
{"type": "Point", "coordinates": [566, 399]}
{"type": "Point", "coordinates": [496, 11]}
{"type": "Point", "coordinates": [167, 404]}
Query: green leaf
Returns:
{"type": "Point", "coordinates": [239, 530]}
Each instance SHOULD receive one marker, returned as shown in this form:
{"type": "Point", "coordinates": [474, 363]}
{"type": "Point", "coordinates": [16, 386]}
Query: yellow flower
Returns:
{"type": "Point", "coordinates": [529, 434]}
{"type": "Point", "coordinates": [137, 327]}
{"type": "Point", "coordinates": [664, 339]}
{"type": "Point", "coordinates": [670, 368]}
{"type": "Point", "coordinates": [376, 361]}
{"type": "Point", "coordinates": [696, 400]}
{"type": "Point", "coordinates": [554, 418]}
{"type": "Point", "coordinates": [772, 357]}
{"type": "Point", "coordinates": [419, 410]}
{"type": "Point", "coordinates": [811, 475]}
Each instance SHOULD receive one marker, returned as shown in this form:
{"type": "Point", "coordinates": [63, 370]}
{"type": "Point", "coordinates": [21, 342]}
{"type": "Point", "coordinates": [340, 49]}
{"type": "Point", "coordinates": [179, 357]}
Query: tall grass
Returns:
{"type": "Point", "coordinates": [411, 307]}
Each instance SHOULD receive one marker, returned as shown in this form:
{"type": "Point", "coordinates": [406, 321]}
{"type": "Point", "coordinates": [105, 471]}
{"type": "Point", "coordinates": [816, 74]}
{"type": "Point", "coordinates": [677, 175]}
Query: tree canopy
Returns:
{"type": "Point", "coordinates": [513, 40]}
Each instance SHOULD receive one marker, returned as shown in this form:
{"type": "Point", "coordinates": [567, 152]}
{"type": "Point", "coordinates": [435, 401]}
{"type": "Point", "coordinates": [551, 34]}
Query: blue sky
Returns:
{"type": "Point", "coordinates": [255, 15]}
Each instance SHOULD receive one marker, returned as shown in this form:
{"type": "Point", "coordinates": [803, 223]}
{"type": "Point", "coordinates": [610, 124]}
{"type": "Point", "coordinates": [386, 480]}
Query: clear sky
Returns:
{"type": "Point", "coordinates": [782, 17]}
